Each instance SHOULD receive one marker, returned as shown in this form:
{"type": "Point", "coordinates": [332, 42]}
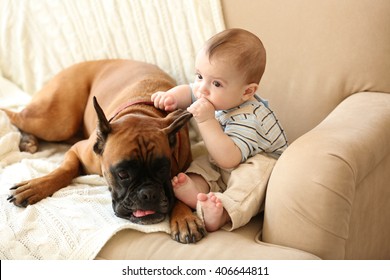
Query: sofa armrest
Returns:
{"type": "Point", "coordinates": [332, 184]}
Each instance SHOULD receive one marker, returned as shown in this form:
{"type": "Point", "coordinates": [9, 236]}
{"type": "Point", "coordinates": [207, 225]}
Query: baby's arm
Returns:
{"type": "Point", "coordinates": [220, 146]}
{"type": "Point", "coordinates": [176, 97]}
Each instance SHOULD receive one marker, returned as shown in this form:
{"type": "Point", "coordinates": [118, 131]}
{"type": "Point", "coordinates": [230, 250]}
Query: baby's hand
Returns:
{"type": "Point", "coordinates": [202, 110]}
{"type": "Point", "coordinates": [164, 100]}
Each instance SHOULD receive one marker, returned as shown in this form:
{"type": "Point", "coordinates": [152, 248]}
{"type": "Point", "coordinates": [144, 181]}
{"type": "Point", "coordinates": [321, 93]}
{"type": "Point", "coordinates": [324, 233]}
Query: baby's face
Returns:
{"type": "Point", "coordinates": [219, 82]}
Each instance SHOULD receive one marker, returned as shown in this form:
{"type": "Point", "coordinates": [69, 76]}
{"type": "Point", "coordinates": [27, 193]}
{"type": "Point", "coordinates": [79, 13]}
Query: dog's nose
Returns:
{"type": "Point", "coordinates": [147, 194]}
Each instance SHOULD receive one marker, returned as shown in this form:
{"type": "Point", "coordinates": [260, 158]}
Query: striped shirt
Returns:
{"type": "Point", "coordinates": [254, 128]}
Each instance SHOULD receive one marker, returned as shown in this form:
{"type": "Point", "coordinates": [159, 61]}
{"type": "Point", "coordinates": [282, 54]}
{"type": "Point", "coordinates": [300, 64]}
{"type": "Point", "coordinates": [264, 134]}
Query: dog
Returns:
{"type": "Point", "coordinates": [138, 149]}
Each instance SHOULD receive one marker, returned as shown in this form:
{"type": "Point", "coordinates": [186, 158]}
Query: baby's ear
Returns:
{"type": "Point", "coordinates": [250, 91]}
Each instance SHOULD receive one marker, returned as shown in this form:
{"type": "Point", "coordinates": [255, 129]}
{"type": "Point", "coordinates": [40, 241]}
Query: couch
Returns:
{"type": "Point", "coordinates": [327, 79]}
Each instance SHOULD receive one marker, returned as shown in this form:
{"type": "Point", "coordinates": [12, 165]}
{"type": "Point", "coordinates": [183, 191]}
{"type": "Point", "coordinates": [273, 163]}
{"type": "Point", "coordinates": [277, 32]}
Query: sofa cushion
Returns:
{"type": "Point", "coordinates": [242, 244]}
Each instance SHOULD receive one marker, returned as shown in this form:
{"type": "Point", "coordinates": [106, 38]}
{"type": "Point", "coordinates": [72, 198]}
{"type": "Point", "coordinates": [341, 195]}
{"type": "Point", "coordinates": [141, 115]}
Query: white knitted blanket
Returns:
{"type": "Point", "coordinates": [39, 38]}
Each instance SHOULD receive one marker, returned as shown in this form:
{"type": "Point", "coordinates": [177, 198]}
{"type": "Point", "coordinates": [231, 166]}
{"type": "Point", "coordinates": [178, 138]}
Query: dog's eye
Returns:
{"type": "Point", "coordinates": [123, 175]}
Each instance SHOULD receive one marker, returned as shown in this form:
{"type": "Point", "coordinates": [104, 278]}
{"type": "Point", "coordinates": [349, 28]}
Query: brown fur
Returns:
{"type": "Point", "coordinates": [64, 110]}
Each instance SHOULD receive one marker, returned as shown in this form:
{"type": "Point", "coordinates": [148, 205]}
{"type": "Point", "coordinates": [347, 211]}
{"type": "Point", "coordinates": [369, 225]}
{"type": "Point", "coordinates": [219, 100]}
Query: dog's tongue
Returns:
{"type": "Point", "coordinates": [142, 213]}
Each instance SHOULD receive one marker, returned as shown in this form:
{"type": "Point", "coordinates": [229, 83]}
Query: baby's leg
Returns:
{"type": "Point", "coordinates": [215, 216]}
{"type": "Point", "coordinates": [186, 188]}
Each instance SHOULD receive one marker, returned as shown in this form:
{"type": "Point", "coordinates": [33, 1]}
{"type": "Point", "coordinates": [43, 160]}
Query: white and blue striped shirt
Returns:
{"type": "Point", "coordinates": [254, 128]}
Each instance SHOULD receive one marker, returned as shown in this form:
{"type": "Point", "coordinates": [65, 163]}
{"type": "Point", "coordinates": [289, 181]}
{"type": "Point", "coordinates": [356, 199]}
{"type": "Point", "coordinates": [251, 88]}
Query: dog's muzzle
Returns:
{"type": "Point", "coordinates": [147, 205]}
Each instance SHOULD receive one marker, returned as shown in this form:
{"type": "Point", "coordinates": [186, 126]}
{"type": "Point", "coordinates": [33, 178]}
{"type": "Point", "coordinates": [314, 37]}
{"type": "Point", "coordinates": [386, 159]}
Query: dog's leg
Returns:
{"type": "Point", "coordinates": [186, 227]}
{"type": "Point", "coordinates": [56, 112]}
{"type": "Point", "coordinates": [58, 125]}
{"type": "Point", "coordinates": [34, 190]}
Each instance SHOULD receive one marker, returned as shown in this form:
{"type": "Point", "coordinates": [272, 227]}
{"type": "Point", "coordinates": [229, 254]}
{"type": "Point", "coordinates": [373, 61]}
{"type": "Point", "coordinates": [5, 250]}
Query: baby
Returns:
{"type": "Point", "coordinates": [233, 121]}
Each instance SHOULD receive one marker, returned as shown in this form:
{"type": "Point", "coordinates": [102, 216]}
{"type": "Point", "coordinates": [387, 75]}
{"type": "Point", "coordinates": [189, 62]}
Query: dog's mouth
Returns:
{"type": "Point", "coordinates": [143, 213]}
{"type": "Point", "coordinates": [148, 205]}
{"type": "Point", "coordinates": [146, 217]}
{"type": "Point", "coordinates": [142, 217]}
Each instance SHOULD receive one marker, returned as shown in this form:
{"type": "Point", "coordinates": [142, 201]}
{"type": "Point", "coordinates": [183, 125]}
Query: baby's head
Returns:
{"type": "Point", "coordinates": [229, 68]}
{"type": "Point", "coordinates": [242, 49]}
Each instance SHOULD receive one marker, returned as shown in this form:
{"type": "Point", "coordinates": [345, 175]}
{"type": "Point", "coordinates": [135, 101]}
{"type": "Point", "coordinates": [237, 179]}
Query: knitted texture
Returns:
{"type": "Point", "coordinates": [39, 38]}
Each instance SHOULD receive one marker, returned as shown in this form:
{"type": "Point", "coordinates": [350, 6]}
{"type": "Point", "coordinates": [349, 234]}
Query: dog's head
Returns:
{"type": "Point", "coordinates": [136, 158]}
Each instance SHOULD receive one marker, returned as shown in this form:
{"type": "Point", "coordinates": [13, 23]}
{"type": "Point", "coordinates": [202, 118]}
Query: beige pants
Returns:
{"type": "Point", "coordinates": [241, 190]}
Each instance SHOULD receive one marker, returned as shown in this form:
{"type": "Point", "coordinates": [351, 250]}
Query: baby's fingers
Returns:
{"type": "Point", "coordinates": [156, 95]}
{"type": "Point", "coordinates": [169, 104]}
{"type": "Point", "coordinates": [157, 100]}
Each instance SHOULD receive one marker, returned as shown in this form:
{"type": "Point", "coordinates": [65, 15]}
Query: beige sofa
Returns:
{"type": "Point", "coordinates": [328, 80]}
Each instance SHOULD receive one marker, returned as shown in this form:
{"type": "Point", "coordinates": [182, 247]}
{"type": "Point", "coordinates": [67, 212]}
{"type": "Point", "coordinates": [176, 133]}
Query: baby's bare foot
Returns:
{"type": "Point", "coordinates": [213, 212]}
{"type": "Point", "coordinates": [185, 189]}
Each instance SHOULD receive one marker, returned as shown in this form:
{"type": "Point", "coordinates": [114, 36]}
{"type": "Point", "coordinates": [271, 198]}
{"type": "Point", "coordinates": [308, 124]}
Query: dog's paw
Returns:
{"type": "Point", "coordinates": [188, 230]}
{"type": "Point", "coordinates": [32, 191]}
{"type": "Point", "coordinates": [28, 143]}
{"type": "Point", "coordinates": [186, 227]}
{"type": "Point", "coordinates": [17, 199]}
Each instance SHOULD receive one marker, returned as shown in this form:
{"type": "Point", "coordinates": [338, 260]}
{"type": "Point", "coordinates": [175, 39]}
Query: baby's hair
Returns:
{"type": "Point", "coordinates": [244, 49]}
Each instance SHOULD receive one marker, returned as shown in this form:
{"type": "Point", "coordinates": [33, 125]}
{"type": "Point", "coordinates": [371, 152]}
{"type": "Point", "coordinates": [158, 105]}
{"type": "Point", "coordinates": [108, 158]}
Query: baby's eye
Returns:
{"type": "Point", "coordinates": [198, 76]}
{"type": "Point", "coordinates": [217, 84]}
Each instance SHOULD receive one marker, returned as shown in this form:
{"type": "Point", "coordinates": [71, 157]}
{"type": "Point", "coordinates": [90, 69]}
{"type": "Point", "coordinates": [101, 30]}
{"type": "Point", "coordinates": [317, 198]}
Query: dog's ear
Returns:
{"type": "Point", "coordinates": [176, 120]}
{"type": "Point", "coordinates": [102, 130]}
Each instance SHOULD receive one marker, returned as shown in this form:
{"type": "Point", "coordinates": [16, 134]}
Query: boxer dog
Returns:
{"type": "Point", "coordinates": [137, 149]}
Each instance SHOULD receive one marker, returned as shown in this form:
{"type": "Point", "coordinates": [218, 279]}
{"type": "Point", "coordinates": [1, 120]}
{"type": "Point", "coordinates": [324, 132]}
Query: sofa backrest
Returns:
{"type": "Point", "coordinates": [318, 53]}
{"type": "Point", "coordinates": [40, 38]}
